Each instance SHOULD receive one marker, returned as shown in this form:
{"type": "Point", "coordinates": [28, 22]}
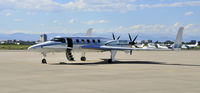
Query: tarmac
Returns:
{"type": "Point", "coordinates": [142, 72]}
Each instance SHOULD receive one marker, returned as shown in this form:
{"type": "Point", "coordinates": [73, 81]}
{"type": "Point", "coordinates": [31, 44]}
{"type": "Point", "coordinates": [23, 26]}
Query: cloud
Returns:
{"type": "Point", "coordinates": [20, 31]}
{"type": "Point", "coordinates": [55, 21]}
{"type": "Point", "coordinates": [89, 5]}
{"type": "Point", "coordinates": [31, 13]}
{"type": "Point", "coordinates": [58, 22]}
{"type": "Point", "coordinates": [41, 5]}
{"type": "Point", "coordinates": [42, 25]}
{"type": "Point", "coordinates": [8, 14]}
{"type": "Point", "coordinates": [79, 4]}
{"type": "Point", "coordinates": [92, 22]}
{"type": "Point", "coordinates": [176, 24]}
{"type": "Point", "coordinates": [102, 21]}
{"type": "Point", "coordinates": [189, 13]}
{"type": "Point", "coordinates": [175, 4]}
{"type": "Point", "coordinates": [16, 20]}
{"type": "Point", "coordinates": [15, 31]}
{"type": "Point", "coordinates": [156, 29]}
{"type": "Point", "coordinates": [71, 21]}
{"type": "Point", "coordinates": [189, 26]}
{"type": "Point", "coordinates": [120, 27]}
{"type": "Point", "coordinates": [148, 28]}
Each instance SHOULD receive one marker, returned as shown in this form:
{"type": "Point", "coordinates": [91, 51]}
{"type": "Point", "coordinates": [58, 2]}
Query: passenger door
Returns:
{"type": "Point", "coordinates": [69, 42]}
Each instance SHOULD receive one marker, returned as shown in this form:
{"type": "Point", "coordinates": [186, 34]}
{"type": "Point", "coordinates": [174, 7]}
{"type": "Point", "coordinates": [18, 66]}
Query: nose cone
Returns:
{"type": "Point", "coordinates": [39, 46]}
{"type": "Point", "coordinates": [34, 47]}
{"type": "Point", "coordinates": [31, 48]}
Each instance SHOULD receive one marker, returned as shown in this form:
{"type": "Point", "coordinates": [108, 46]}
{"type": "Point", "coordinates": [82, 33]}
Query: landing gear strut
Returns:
{"type": "Point", "coordinates": [44, 61]}
{"type": "Point", "coordinates": [83, 58]}
{"type": "Point", "coordinates": [112, 56]}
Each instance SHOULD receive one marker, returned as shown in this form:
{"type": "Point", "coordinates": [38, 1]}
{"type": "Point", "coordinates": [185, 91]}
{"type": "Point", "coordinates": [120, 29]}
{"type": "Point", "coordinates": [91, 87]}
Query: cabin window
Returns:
{"type": "Point", "coordinates": [82, 40]}
{"type": "Point", "coordinates": [77, 41]}
{"type": "Point", "coordinates": [93, 41]}
{"type": "Point", "coordinates": [88, 41]}
{"type": "Point", "coordinates": [99, 41]}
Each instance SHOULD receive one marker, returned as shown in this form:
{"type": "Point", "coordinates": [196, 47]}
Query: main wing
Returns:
{"type": "Point", "coordinates": [108, 48]}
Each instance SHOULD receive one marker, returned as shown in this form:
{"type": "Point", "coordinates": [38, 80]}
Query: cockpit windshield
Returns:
{"type": "Point", "coordinates": [58, 40]}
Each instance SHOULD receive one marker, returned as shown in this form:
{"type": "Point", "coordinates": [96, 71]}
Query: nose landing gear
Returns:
{"type": "Point", "coordinates": [44, 61]}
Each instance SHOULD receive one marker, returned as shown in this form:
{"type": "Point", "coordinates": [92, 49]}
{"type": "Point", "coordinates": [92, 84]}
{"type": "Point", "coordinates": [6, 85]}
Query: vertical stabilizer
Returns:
{"type": "Point", "coordinates": [89, 32]}
{"type": "Point", "coordinates": [196, 44]}
{"type": "Point", "coordinates": [178, 41]}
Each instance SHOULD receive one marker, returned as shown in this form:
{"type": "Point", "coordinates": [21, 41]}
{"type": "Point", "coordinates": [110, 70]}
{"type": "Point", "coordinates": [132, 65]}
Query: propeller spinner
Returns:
{"type": "Point", "coordinates": [132, 41]}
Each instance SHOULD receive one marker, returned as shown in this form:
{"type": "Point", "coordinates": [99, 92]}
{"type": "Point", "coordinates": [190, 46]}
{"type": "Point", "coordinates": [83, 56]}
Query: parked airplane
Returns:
{"type": "Point", "coordinates": [149, 46]}
{"type": "Point", "coordinates": [94, 44]}
{"type": "Point", "coordinates": [161, 47]}
{"type": "Point", "coordinates": [188, 46]}
{"type": "Point", "coordinates": [139, 45]}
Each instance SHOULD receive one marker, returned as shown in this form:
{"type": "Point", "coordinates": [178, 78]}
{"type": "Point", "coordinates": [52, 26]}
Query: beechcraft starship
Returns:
{"type": "Point", "coordinates": [85, 44]}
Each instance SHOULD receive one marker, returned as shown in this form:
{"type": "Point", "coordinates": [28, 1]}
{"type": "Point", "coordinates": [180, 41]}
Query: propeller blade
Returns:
{"type": "Point", "coordinates": [118, 38]}
{"type": "Point", "coordinates": [130, 37]}
{"type": "Point", "coordinates": [135, 38]}
{"type": "Point", "coordinates": [113, 36]}
{"type": "Point", "coordinates": [132, 41]}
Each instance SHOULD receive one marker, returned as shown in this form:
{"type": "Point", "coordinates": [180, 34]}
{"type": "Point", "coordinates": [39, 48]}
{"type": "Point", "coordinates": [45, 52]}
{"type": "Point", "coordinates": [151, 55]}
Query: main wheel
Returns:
{"type": "Point", "coordinates": [83, 58]}
{"type": "Point", "coordinates": [44, 61]}
{"type": "Point", "coordinates": [109, 60]}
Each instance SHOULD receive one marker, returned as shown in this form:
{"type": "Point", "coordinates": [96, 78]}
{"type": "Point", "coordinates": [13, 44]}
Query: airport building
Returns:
{"type": "Point", "coordinates": [18, 42]}
{"type": "Point", "coordinates": [43, 38]}
{"type": "Point", "coordinates": [146, 41]}
{"type": "Point", "coordinates": [168, 42]}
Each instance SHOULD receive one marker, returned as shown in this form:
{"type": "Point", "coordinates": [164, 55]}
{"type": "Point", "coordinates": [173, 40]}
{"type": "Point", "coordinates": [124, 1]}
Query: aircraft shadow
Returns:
{"type": "Point", "coordinates": [104, 62]}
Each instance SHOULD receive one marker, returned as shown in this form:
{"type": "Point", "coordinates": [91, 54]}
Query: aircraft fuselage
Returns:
{"type": "Point", "coordinates": [59, 44]}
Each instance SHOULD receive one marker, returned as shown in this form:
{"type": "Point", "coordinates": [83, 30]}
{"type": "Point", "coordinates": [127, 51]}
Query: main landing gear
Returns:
{"type": "Point", "coordinates": [83, 58]}
{"type": "Point", "coordinates": [110, 61]}
{"type": "Point", "coordinates": [112, 56]}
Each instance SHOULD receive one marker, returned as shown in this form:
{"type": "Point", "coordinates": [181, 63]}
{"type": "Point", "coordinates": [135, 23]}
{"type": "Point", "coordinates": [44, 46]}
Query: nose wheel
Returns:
{"type": "Point", "coordinates": [44, 61]}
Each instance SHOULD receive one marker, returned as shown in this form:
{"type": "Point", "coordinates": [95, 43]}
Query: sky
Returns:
{"type": "Point", "coordinates": [151, 17]}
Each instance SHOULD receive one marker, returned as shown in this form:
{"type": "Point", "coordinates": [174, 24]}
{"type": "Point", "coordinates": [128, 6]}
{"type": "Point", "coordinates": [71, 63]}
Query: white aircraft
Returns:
{"type": "Point", "coordinates": [161, 47]}
{"type": "Point", "coordinates": [148, 46]}
{"type": "Point", "coordinates": [139, 45]}
{"type": "Point", "coordinates": [94, 44]}
{"type": "Point", "coordinates": [188, 46]}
